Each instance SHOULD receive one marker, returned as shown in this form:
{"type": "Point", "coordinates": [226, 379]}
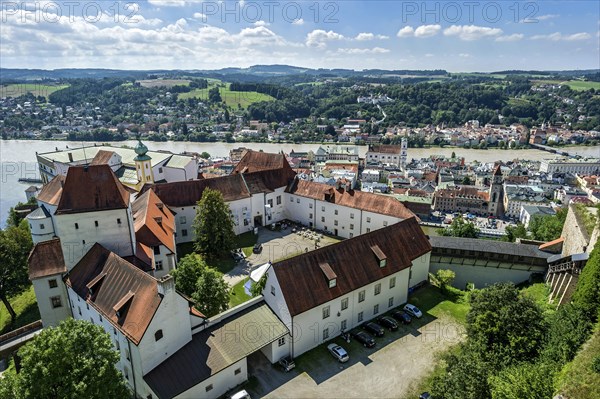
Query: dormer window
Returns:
{"type": "Point", "coordinates": [381, 257]}
{"type": "Point", "coordinates": [332, 283]}
{"type": "Point", "coordinates": [329, 274]}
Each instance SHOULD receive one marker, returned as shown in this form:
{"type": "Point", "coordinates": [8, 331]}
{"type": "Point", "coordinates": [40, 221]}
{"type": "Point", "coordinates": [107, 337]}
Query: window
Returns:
{"type": "Point", "coordinates": [114, 331]}
{"type": "Point", "coordinates": [351, 226]}
{"type": "Point", "coordinates": [343, 325]}
{"type": "Point", "coordinates": [378, 289]}
{"type": "Point", "coordinates": [360, 317]}
{"type": "Point", "coordinates": [278, 200]}
{"type": "Point", "coordinates": [332, 283]}
{"type": "Point", "coordinates": [361, 296]}
{"type": "Point", "coordinates": [272, 290]}
{"type": "Point", "coordinates": [351, 235]}
{"type": "Point", "coordinates": [96, 223]}
{"type": "Point", "coordinates": [368, 220]}
{"type": "Point", "coordinates": [344, 303]}
{"type": "Point", "coordinates": [310, 215]}
{"type": "Point", "coordinates": [92, 320]}
{"type": "Point", "coordinates": [126, 372]}
{"type": "Point", "coordinates": [392, 282]}
{"type": "Point", "coordinates": [157, 250]}
{"type": "Point", "coordinates": [351, 216]}
{"type": "Point", "coordinates": [385, 223]}
{"type": "Point", "coordinates": [42, 227]}
{"type": "Point", "coordinates": [117, 345]}
{"type": "Point", "coordinates": [335, 212]}
{"type": "Point", "coordinates": [118, 221]}
{"type": "Point", "coordinates": [322, 209]}
{"type": "Point", "coordinates": [310, 205]}
{"type": "Point", "coordinates": [52, 283]}
{"type": "Point", "coordinates": [326, 312]}
{"type": "Point", "coordinates": [390, 302]}
{"type": "Point", "coordinates": [382, 262]}
{"type": "Point", "coordinates": [237, 371]}
{"type": "Point", "coordinates": [56, 302]}
{"type": "Point", "coordinates": [184, 233]}
{"type": "Point", "coordinates": [87, 306]}
{"type": "Point", "coordinates": [291, 199]}
{"type": "Point", "coordinates": [100, 318]}
{"type": "Point", "coordinates": [182, 220]}
{"type": "Point", "coordinates": [297, 200]}
{"type": "Point", "coordinates": [209, 388]}
{"type": "Point", "coordinates": [158, 335]}
{"type": "Point", "coordinates": [160, 170]}
{"type": "Point", "coordinates": [368, 230]}
{"type": "Point", "coordinates": [323, 219]}
{"type": "Point", "coordinates": [376, 309]}
{"type": "Point", "coordinates": [76, 226]}
{"type": "Point", "coordinates": [281, 341]}
{"type": "Point", "coordinates": [79, 310]}
{"type": "Point", "coordinates": [83, 242]}
{"type": "Point", "coordinates": [159, 264]}
{"type": "Point", "coordinates": [325, 333]}
{"type": "Point", "coordinates": [335, 222]}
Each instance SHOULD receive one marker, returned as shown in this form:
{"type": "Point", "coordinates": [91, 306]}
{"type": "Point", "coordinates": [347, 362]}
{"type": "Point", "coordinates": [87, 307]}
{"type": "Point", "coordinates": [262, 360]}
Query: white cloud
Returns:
{"type": "Point", "coordinates": [199, 15]}
{"type": "Point", "coordinates": [472, 32]}
{"type": "Point", "coordinates": [261, 23]}
{"type": "Point", "coordinates": [167, 3]}
{"type": "Point", "coordinates": [557, 36]}
{"type": "Point", "coordinates": [319, 38]}
{"type": "Point", "coordinates": [369, 36]}
{"type": "Point", "coordinates": [299, 21]}
{"type": "Point", "coordinates": [429, 55]}
{"type": "Point", "coordinates": [427, 30]}
{"type": "Point", "coordinates": [534, 19]}
{"type": "Point", "coordinates": [464, 55]}
{"type": "Point", "coordinates": [515, 37]}
{"type": "Point", "coordinates": [407, 31]}
{"type": "Point", "coordinates": [376, 50]}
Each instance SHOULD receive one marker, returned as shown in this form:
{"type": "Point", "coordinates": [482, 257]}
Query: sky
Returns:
{"type": "Point", "coordinates": [458, 36]}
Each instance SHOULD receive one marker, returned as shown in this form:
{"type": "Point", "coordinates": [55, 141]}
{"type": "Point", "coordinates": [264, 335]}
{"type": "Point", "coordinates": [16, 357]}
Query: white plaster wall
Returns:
{"type": "Point", "coordinates": [51, 316]}
{"type": "Point", "coordinates": [189, 212]}
{"type": "Point", "coordinates": [420, 269]}
{"type": "Point", "coordinates": [482, 276]}
{"type": "Point", "coordinates": [221, 382]}
{"type": "Point", "coordinates": [274, 352]}
{"type": "Point", "coordinates": [39, 234]}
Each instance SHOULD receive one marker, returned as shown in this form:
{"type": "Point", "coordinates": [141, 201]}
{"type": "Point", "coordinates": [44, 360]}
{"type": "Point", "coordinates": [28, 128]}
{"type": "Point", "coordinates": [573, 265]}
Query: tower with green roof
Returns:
{"type": "Point", "coordinates": [143, 164]}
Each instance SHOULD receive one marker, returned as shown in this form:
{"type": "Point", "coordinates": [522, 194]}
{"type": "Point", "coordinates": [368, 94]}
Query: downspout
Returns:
{"type": "Point", "coordinates": [135, 393]}
{"type": "Point", "coordinates": [131, 233]}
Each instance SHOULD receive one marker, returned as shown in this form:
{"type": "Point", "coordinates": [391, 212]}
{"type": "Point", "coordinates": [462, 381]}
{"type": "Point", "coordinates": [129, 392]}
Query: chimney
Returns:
{"type": "Point", "coordinates": [70, 156]}
{"type": "Point", "coordinates": [166, 285]}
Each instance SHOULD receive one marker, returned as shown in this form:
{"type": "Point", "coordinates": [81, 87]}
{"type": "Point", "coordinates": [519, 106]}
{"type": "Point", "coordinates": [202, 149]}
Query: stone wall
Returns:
{"type": "Point", "coordinates": [576, 237]}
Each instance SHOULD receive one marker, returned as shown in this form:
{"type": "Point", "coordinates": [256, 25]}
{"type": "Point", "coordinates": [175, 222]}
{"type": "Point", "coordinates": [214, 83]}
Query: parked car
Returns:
{"type": "Point", "coordinates": [338, 352]}
{"type": "Point", "coordinates": [374, 328]}
{"type": "Point", "coordinates": [287, 363]}
{"type": "Point", "coordinates": [413, 310]}
{"type": "Point", "coordinates": [388, 322]}
{"type": "Point", "coordinates": [240, 395]}
{"type": "Point", "coordinates": [425, 395]}
{"type": "Point", "coordinates": [257, 248]}
{"type": "Point", "coordinates": [364, 338]}
{"type": "Point", "coordinates": [401, 316]}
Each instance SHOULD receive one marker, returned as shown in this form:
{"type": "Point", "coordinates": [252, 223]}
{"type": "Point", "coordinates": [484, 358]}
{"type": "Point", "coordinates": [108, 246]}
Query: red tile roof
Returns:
{"type": "Point", "coordinates": [46, 259]}
{"type": "Point", "coordinates": [304, 283]}
{"type": "Point", "coordinates": [52, 191]}
{"type": "Point", "coordinates": [102, 157]}
{"type": "Point", "coordinates": [153, 222]}
{"type": "Point", "coordinates": [370, 202]}
{"type": "Point", "coordinates": [385, 149]}
{"type": "Point", "coordinates": [121, 278]}
{"type": "Point", "coordinates": [92, 188]}
{"type": "Point", "coordinates": [255, 161]}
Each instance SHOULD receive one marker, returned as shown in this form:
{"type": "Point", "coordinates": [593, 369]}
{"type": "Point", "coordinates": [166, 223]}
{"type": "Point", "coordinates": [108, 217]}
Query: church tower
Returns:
{"type": "Point", "coordinates": [496, 202]}
{"type": "Point", "coordinates": [143, 164]}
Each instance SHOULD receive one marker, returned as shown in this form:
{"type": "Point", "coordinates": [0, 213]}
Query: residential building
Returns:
{"type": "Point", "coordinates": [385, 154]}
{"type": "Point", "coordinates": [528, 212]}
{"type": "Point", "coordinates": [337, 153]}
{"type": "Point", "coordinates": [582, 166]}
{"type": "Point", "coordinates": [346, 293]}
{"type": "Point", "coordinates": [517, 196]}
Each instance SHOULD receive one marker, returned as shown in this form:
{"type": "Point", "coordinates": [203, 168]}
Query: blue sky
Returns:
{"type": "Point", "coordinates": [202, 34]}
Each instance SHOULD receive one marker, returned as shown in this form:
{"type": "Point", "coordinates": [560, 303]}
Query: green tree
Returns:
{"type": "Point", "coordinates": [548, 228]}
{"type": "Point", "coordinates": [188, 271]}
{"type": "Point", "coordinates": [258, 288]}
{"type": "Point", "coordinates": [525, 380]}
{"type": "Point", "coordinates": [74, 360]}
{"type": "Point", "coordinates": [445, 277]}
{"type": "Point", "coordinates": [465, 377]}
{"type": "Point", "coordinates": [507, 326]}
{"type": "Point", "coordinates": [568, 329]}
{"type": "Point", "coordinates": [214, 95]}
{"type": "Point", "coordinates": [205, 155]}
{"type": "Point", "coordinates": [212, 292]}
{"type": "Point", "coordinates": [466, 181]}
{"type": "Point", "coordinates": [587, 292]}
{"type": "Point", "coordinates": [460, 228]}
{"type": "Point", "coordinates": [213, 225]}
{"type": "Point", "coordinates": [15, 245]}
{"type": "Point", "coordinates": [514, 232]}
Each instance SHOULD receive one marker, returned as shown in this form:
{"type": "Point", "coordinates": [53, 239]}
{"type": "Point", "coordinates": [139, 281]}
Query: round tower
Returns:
{"type": "Point", "coordinates": [143, 164]}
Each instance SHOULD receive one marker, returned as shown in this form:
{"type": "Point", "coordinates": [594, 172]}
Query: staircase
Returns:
{"type": "Point", "coordinates": [562, 279]}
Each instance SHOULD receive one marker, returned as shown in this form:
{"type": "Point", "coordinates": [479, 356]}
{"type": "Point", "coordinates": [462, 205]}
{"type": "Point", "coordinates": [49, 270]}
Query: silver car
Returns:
{"type": "Point", "coordinates": [338, 352]}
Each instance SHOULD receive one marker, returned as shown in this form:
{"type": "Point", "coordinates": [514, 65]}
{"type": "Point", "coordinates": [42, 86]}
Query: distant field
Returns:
{"type": "Point", "coordinates": [231, 98]}
{"type": "Point", "coordinates": [19, 89]}
{"type": "Point", "coordinates": [578, 85]}
{"type": "Point", "coordinates": [163, 82]}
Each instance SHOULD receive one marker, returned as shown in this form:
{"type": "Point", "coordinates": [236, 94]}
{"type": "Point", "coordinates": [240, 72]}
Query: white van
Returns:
{"type": "Point", "coordinates": [241, 395]}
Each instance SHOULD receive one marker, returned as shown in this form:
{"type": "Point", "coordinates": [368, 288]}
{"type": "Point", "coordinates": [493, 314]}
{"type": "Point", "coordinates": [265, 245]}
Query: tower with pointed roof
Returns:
{"type": "Point", "coordinates": [143, 163]}
{"type": "Point", "coordinates": [496, 202]}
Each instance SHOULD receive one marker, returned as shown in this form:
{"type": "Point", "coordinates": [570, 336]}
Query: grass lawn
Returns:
{"type": "Point", "coordinates": [578, 379]}
{"type": "Point", "coordinates": [19, 89]}
{"type": "Point", "coordinates": [431, 299]}
{"type": "Point", "coordinates": [164, 82]}
{"type": "Point", "coordinates": [578, 85]}
{"type": "Point", "coordinates": [231, 98]}
{"type": "Point", "coordinates": [25, 305]}
{"type": "Point", "coordinates": [238, 295]}
{"type": "Point", "coordinates": [540, 293]}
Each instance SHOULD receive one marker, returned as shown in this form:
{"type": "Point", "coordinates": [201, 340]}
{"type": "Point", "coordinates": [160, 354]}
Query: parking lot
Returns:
{"type": "Point", "coordinates": [391, 369]}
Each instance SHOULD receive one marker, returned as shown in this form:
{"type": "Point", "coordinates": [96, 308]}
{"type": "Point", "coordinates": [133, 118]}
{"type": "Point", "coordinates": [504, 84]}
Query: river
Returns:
{"type": "Point", "coordinates": [18, 158]}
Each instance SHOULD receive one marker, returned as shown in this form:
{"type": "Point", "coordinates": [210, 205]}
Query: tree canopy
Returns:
{"type": "Point", "coordinates": [74, 360]}
{"type": "Point", "coordinates": [460, 228]}
{"type": "Point", "coordinates": [15, 245]}
{"type": "Point", "coordinates": [548, 228]}
{"type": "Point", "coordinates": [213, 225]}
